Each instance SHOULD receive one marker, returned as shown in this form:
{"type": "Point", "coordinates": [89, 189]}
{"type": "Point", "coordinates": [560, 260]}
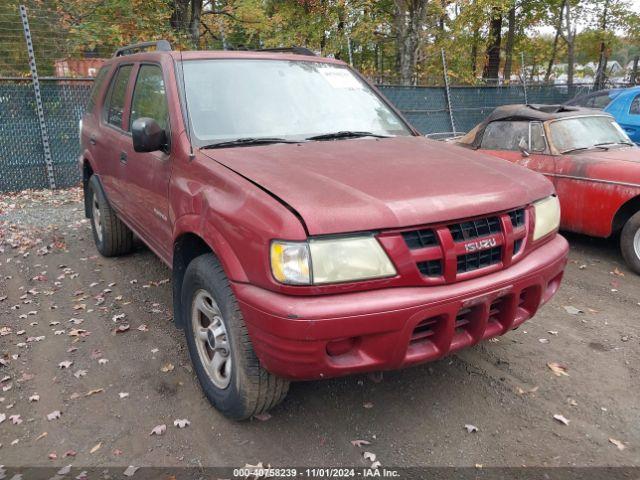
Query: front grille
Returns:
{"type": "Point", "coordinates": [475, 228]}
{"type": "Point", "coordinates": [517, 217]}
{"type": "Point", "coordinates": [430, 268]}
{"type": "Point", "coordinates": [517, 245]}
{"type": "Point", "coordinates": [496, 240]}
{"type": "Point", "coordinates": [481, 259]}
{"type": "Point", "coordinates": [420, 238]}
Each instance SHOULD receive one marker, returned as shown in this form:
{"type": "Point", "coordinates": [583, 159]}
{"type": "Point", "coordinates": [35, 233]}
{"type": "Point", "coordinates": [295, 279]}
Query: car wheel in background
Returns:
{"type": "Point", "coordinates": [630, 242]}
{"type": "Point", "coordinates": [111, 236]}
{"type": "Point", "coordinates": [219, 345]}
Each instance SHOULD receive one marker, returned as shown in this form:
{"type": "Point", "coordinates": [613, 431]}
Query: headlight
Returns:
{"type": "Point", "coordinates": [330, 261]}
{"type": "Point", "coordinates": [547, 216]}
{"type": "Point", "coordinates": [290, 262]}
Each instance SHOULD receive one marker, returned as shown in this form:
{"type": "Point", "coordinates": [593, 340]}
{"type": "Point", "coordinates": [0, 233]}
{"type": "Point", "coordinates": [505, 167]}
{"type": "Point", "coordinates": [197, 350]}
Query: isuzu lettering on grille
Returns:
{"type": "Point", "coordinates": [480, 245]}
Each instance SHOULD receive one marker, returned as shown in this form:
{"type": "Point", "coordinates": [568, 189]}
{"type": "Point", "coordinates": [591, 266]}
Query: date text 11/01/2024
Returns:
{"type": "Point", "coordinates": [267, 472]}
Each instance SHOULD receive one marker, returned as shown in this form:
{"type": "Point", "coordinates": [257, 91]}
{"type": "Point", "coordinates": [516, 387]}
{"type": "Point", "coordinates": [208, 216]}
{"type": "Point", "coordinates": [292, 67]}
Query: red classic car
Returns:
{"type": "Point", "coordinates": [593, 164]}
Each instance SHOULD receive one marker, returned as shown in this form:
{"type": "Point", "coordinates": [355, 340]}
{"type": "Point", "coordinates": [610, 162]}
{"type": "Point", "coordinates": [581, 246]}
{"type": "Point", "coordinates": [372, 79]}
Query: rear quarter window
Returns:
{"type": "Point", "coordinates": [116, 97]}
{"type": "Point", "coordinates": [97, 87]}
{"type": "Point", "coordinates": [634, 108]}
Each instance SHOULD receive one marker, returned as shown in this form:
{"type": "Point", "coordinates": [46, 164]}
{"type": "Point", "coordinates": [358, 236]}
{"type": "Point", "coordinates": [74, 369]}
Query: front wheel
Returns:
{"type": "Point", "coordinates": [219, 345]}
{"type": "Point", "coordinates": [630, 242]}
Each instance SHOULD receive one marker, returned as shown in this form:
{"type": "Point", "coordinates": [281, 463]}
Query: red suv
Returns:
{"type": "Point", "coordinates": [312, 232]}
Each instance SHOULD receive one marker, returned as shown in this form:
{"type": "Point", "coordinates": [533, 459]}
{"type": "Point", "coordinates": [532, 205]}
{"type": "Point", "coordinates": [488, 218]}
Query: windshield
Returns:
{"type": "Point", "coordinates": [291, 100]}
{"type": "Point", "coordinates": [586, 132]}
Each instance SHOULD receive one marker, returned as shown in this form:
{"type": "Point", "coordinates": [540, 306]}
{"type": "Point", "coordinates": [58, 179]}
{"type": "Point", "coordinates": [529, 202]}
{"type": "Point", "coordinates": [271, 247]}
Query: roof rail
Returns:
{"type": "Point", "coordinates": [296, 50]}
{"type": "Point", "coordinates": [161, 45]}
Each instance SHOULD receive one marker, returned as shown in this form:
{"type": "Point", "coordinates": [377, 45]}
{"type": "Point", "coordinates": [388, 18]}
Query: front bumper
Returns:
{"type": "Point", "coordinates": [395, 327]}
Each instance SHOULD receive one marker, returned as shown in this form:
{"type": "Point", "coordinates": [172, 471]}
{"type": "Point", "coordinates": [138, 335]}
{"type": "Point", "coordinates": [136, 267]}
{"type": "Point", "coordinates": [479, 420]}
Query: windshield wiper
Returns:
{"type": "Point", "coordinates": [580, 149]}
{"type": "Point", "coordinates": [613, 143]}
{"type": "Point", "coordinates": [242, 142]}
{"type": "Point", "coordinates": [345, 134]}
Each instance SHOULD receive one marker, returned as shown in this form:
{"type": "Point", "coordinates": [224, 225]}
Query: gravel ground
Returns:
{"type": "Point", "coordinates": [61, 304]}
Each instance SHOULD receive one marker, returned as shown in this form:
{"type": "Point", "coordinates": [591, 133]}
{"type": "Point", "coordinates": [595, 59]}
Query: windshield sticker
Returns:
{"type": "Point", "coordinates": [340, 78]}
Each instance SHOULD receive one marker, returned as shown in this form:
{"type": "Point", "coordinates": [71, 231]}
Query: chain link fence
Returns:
{"type": "Point", "coordinates": [39, 142]}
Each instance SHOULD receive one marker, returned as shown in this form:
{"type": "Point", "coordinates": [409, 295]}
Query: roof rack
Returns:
{"type": "Point", "coordinates": [161, 46]}
{"type": "Point", "coordinates": [296, 50]}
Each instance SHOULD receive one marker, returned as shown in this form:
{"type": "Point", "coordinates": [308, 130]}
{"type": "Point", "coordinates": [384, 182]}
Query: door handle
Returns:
{"type": "Point", "coordinates": [92, 139]}
{"type": "Point", "coordinates": [123, 158]}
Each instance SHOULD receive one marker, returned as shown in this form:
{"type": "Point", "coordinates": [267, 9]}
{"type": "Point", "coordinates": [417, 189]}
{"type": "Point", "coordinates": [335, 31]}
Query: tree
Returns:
{"type": "Point", "coordinates": [492, 67]}
{"type": "Point", "coordinates": [409, 19]}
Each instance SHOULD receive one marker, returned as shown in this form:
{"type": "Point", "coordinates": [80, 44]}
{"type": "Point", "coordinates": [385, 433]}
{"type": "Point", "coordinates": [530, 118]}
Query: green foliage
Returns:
{"type": "Point", "coordinates": [366, 33]}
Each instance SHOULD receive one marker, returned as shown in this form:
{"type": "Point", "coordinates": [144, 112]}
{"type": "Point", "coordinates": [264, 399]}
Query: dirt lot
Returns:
{"type": "Point", "coordinates": [58, 301]}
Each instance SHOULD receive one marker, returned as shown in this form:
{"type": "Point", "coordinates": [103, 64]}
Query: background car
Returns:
{"type": "Point", "coordinates": [593, 164]}
{"type": "Point", "coordinates": [622, 103]}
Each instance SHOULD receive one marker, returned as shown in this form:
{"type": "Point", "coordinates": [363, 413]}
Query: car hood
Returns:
{"type": "Point", "coordinates": [369, 184]}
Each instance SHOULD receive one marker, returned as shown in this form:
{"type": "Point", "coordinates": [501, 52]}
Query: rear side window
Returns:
{"type": "Point", "coordinates": [97, 86]}
{"type": "Point", "coordinates": [116, 96]}
{"type": "Point", "coordinates": [149, 96]}
{"type": "Point", "coordinates": [634, 109]}
{"type": "Point", "coordinates": [505, 135]}
{"type": "Point", "coordinates": [600, 101]}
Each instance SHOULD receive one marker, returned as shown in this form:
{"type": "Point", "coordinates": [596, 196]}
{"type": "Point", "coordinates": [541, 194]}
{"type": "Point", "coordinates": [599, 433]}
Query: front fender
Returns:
{"type": "Point", "coordinates": [198, 224]}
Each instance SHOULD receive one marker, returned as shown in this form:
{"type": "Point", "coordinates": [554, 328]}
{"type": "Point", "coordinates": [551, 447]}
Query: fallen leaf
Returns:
{"type": "Point", "coordinates": [94, 391]}
{"type": "Point", "coordinates": [367, 404]}
{"type": "Point", "coordinates": [122, 328]}
{"type": "Point", "coordinates": [143, 328]}
{"type": "Point", "coordinates": [376, 465]}
{"type": "Point", "coordinates": [572, 310]}
{"type": "Point", "coordinates": [70, 453]}
{"type": "Point", "coordinates": [80, 373]}
{"type": "Point", "coordinates": [158, 429]}
{"type": "Point", "coordinates": [64, 470]}
{"type": "Point", "coordinates": [119, 316]}
{"type": "Point", "coordinates": [103, 361]}
{"type": "Point", "coordinates": [471, 428]}
{"type": "Point", "coordinates": [130, 471]}
{"type": "Point", "coordinates": [34, 398]}
{"type": "Point", "coordinates": [15, 419]}
{"type": "Point", "coordinates": [181, 423]}
{"type": "Point", "coordinates": [42, 435]}
{"type": "Point", "coordinates": [521, 391]}
{"type": "Point", "coordinates": [360, 443]}
{"type": "Point", "coordinates": [561, 419]}
{"type": "Point", "coordinates": [617, 443]}
{"type": "Point", "coordinates": [123, 394]}
{"type": "Point", "coordinates": [3, 417]}
{"type": "Point", "coordinates": [95, 448]}
{"type": "Point", "coordinates": [617, 272]}
{"type": "Point", "coordinates": [53, 415]}
{"type": "Point", "coordinates": [263, 417]}
{"type": "Point", "coordinates": [53, 456]}
{"type": "Point", "coordinates": [167, 367]}
{"type": "Point", "coordinates": [557, 369]}
{"type": "Point", "coordinates": [369, 456]}
{"type": "Point", "coordinates": [65, 364]}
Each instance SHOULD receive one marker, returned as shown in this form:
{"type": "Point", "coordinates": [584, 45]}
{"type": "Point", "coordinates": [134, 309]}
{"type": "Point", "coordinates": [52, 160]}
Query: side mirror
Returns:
{"type": "Point", "coordinates": [524, 148]}
{"type": "Point", "coordinates": [147, 135]}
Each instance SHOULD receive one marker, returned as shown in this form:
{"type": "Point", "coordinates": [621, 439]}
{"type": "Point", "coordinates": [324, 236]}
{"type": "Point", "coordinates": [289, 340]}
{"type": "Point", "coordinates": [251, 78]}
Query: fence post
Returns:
{"type": "Point", "coordinates": [36, 88]}
{"type": "Point", "coordinates": [448, 93]}
{"type": "Point", "coordinates": [524, 78]}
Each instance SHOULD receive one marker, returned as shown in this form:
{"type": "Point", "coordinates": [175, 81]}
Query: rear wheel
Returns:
{"type": "Point", "coordinates": [630, 242]}
{"type": "Point", "coordinates": [111, 236]}
{"type": "Point", "coordinates": [219, 345]}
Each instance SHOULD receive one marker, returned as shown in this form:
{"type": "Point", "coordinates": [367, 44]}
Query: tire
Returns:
{"type": "Point", "coordinates": [219, 345]}
{"type": "Point", "coordinates": [630, 242]}
{"type": "Point", "coordinates": [111, 236]}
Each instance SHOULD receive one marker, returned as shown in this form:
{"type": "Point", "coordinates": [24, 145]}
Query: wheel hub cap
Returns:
{"type": "Point", "coordinates": [97, 219]}
{"type": "Point", "coordinates": [211, 338]}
